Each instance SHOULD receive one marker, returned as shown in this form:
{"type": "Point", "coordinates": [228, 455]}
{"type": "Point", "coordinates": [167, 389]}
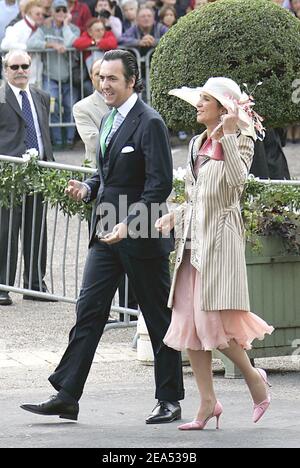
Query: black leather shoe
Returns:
{"type": "Point", "coordinates": [5, 299]}
{"type": "Point", "coordinates": [54, 407]}
{"type": "Point", "coordinates": [165, 412]}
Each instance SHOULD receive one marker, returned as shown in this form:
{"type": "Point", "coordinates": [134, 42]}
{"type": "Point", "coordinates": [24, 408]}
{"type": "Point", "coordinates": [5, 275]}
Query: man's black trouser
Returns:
{"type": "Point", "coordinates": [150, 279]}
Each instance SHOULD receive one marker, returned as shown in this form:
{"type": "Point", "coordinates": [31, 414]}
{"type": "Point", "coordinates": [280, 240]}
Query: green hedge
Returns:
{"type": "Point", "coordinates": [246, 40]}
{"type": "Point", "coordinates": [30, 178]}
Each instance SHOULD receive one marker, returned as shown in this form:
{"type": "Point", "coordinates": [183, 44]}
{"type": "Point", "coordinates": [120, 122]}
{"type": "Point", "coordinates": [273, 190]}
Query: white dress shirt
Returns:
{"type": "Point", "coordinates": [125, 108]}
{"type": "Point", "coordinates": [121, 115]}
{"type": "Point", "coordinates": [16, 92]}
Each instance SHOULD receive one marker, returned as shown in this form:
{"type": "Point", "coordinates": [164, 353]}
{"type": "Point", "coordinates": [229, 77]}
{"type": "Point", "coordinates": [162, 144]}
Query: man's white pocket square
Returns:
{"type": "Point", "coordinates": [127, 149]}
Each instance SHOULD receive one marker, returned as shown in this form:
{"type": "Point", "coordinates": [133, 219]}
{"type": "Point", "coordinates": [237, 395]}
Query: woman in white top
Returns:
{"type": "Point", "coordinates": [16, 36]}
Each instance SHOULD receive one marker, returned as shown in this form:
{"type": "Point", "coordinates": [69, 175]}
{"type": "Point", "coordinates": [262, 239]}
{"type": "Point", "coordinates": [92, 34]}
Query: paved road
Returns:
{"type": "Point", "coordinates": [112, 415]}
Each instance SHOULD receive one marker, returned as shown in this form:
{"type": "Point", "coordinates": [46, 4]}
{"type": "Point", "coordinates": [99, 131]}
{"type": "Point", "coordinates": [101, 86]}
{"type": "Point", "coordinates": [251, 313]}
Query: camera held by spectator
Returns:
{"type": "Point", "coordinates": [105, 14]}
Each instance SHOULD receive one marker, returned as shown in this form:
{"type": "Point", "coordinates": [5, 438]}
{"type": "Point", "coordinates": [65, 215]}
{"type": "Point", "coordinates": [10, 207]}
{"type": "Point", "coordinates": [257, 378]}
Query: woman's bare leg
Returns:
{"type": "Point", "coordinates": [253, 379]}
{"type": "Point", "coordinates": [201, 362]}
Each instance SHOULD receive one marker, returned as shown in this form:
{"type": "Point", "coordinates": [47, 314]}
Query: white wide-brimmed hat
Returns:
{"type": "Point", "coordinates": [228, 93]}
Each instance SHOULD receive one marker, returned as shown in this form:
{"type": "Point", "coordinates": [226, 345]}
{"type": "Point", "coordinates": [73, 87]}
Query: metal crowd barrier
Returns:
{"type": "Point", "coordinates": [78, 82]}
{"type": "Point", "coordinates": [66, 248]}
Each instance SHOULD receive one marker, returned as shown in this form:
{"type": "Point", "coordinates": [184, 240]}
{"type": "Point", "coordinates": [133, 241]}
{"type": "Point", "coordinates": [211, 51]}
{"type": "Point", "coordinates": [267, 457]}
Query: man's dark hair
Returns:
{"type": "Point", "coordinates": [130, 66]}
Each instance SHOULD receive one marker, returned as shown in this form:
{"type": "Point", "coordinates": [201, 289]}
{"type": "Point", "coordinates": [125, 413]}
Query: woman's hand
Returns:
{"type": "Point", "coordinates": [230, 120]}
{"type": "Point", "coordinates": [165, 224]}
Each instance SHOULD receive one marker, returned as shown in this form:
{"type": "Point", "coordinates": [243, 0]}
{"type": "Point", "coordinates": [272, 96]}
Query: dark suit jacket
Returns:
{"type": "Point", "coordinates": [269, 160]}
{"type": "Point", "coordinates": [12, 124]}
{"type": "Point", "coordinates": [143, 175]}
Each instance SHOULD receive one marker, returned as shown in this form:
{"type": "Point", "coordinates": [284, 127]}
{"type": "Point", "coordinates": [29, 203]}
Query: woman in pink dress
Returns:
{"type": "Point", "coordinates": [209, 293]}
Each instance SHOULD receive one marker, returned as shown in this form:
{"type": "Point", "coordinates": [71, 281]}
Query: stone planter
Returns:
{"type": "Point", "coordinates": [274, 288]}
{"type": "Point", "coordinates": [144, 348]}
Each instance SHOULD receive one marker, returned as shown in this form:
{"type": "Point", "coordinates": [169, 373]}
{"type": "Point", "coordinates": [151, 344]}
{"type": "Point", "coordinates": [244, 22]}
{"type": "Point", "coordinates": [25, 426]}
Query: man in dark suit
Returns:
{"type": "Point", "coordinates": [269, 160]}
{"type": "Point", "coordinates": [24, 124]}
{"type": "Point", "coordinates": [134, 170]}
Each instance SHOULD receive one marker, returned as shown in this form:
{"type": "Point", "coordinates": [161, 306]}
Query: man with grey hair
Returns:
{"type": "Point", "coordinates": [146, 34]}
{"type": "Point", "coordinates": [88, 114]}
{"type": "Point", "coordinates": [24, 124]}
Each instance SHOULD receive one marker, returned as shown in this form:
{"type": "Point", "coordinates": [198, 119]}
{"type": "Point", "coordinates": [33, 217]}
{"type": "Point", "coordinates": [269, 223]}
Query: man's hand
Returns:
{"type": "Point", "coordinates": [76, 190]}
{"type": "Point", "coordinates": [60, 49]}
{"type": "Point", "coordinates": [165, 224]}
{"type": "Point", "coordinates": [118, 233]}
{"type": "Point", "coordinates": [68, 19]}
{"type": "Point", "coordinates": [147, 41]}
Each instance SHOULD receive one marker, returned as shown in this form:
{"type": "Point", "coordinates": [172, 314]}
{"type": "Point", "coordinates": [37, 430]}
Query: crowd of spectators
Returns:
{"type": "Point", "coordinates": [133, 23]}
{"type": "Point", "coordinates": [57, 25]}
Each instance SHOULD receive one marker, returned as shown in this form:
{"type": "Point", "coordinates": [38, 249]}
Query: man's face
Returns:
{"type": "Point", "coordinates": [113, 85]}
{"type": "Point", "coordinates": [96, 77]}
{"type": "Point", "coordinates": [60, 14]}
{"type": "Point", "coordinates": [20, 76]}
{"type": "Point", "coordinates": [145, 19]}
{"type": "Point", "coordinates": [102, 5]}
{"type": "Point", "coordinates": [37, 14]}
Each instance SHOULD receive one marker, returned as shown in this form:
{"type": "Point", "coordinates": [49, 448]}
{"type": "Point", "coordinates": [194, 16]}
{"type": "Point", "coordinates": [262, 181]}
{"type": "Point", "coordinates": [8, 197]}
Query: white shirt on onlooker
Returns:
{"type": "Point", "coordinates": [16, 92]}
{"type": "Point", "coordinates": [16, 37]}
{"type": "Point", "coordinates": [116, 26]}
{"type": "Point", "coordinates": [8, 13]}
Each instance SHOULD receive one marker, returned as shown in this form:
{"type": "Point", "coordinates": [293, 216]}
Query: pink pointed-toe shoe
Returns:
{"type": "Point", "coordinates": [200, 425]}
{"type": "Point", "coordinates": [261, 408]}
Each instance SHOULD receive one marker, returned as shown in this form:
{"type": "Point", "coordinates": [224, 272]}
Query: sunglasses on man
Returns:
{"type": "Point", "coordinates": [24, 66]}
{"type": "Point", "coordinates": [63, 9]}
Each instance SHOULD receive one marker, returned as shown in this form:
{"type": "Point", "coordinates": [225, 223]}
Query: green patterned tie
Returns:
{"type": "Point", "coordinates": [106, 130]}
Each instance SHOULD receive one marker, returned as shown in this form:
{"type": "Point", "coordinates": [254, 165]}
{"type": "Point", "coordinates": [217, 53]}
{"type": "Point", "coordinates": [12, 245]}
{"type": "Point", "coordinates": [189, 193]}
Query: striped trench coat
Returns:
{"type": "Point", "coordinates": [212, 217]}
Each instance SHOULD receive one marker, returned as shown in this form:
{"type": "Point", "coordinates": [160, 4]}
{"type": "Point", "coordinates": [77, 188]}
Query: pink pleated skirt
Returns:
{"type": "Point", "coordinates": [196, 329]}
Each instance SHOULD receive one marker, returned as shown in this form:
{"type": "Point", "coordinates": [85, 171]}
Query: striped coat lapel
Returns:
{"type": "Point", "coordinates": [217, 233]}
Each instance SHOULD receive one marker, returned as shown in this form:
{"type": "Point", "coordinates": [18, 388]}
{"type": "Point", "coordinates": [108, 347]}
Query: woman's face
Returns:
{"type": "Point", "coordinates": [130, 12]}
{"type": "Point", "coordinates": [169, 18]}
{"type": "Point", "coordinates": [97, 31]}
{"type": "Point", "coordinates": [169, 2]}
{"type": "Point", "coordinates": [209, 110]}
{"type": "Point", "coordinates": [37, 15]}
{"type": "Point", "coordinates": [296, 6]}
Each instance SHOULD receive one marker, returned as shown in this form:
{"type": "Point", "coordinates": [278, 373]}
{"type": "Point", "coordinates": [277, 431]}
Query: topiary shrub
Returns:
{"type": "Point", "coordinates": [246, 40]}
